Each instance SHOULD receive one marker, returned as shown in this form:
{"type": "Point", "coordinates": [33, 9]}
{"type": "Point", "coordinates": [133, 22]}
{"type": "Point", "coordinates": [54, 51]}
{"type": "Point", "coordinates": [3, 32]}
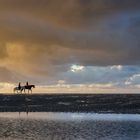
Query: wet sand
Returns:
{"type": "Point", "coordinates": [69, 126]}
{"type": "Point", "coordinates": [98, 103]}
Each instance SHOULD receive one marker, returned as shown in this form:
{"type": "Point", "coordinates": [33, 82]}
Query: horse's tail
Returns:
{"type": "Point", "coordinates": [14, 89]}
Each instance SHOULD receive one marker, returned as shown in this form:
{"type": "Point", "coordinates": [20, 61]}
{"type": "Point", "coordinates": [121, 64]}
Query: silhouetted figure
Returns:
{"type": "Point", "coordinates": [27, 83]}
{"type": "Point", "coordinates": [19, 86]}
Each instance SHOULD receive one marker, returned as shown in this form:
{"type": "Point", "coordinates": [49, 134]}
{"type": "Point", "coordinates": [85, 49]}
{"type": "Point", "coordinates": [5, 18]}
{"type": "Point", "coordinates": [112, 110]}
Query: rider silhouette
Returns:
{"type": "Point", "coordinates": [19, 86]}
{"type": "Point", "coordinates": [27, 83]}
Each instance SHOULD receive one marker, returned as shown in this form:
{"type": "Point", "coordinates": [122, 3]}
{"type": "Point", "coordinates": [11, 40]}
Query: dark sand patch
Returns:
{"type": "Point", "coordinates": [99, 103]}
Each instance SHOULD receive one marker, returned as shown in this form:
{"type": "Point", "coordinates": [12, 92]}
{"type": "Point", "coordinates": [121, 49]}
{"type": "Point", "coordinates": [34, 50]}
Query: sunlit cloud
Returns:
{"type": "Point", "coordinates": [133, 80]}
{"type": "Point", "coordinates": [77, 68]}
{"type": "Point", "coordinates": [119, 67]}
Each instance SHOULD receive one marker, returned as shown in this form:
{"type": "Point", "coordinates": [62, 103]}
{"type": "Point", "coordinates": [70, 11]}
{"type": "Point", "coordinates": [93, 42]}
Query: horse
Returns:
{"type": "Point", "coordinates": [28, 87]}
{"type": "Point", "coordinates": [18, 90]}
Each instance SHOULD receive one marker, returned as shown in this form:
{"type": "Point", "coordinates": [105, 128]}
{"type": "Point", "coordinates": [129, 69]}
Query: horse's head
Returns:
{"type": "Point", "coordinates": [33, 86]}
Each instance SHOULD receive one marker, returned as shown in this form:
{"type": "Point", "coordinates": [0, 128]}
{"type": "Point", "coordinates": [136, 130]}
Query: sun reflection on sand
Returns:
{"type": "Point", "coordinates": [71, 116]}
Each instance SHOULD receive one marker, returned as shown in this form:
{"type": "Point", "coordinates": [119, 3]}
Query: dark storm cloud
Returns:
{"type": "Point", "coordinates": [47, 36]}
{"type": "Point", "coordinates": [72, 12]}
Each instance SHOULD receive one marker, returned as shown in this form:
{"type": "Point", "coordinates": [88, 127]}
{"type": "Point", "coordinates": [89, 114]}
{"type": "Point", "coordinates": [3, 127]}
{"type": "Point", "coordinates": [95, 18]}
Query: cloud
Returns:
{"type": "Point", "coordinates": [45, 37]}
{"type": "Point", "coordinates": [133, 80]}
{"type": "Point", "coordinates": [67, 12]}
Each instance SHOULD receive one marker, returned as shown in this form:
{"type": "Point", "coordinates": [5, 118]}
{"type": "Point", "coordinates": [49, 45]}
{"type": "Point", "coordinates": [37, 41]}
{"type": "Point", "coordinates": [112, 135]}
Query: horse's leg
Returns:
{"type": "Point", "coordinates": [20, 91]}
{"type": "Point", "coordinates": [30, 91]}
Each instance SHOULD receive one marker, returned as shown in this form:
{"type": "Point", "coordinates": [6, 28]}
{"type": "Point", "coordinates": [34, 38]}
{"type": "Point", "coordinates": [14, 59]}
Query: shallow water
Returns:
{"type": "Point", "coordinates": [69, 126]}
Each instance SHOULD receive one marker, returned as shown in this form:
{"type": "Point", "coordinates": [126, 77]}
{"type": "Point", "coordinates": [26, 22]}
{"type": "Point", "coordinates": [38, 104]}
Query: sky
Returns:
{"type": "Point", "coordinates": [84, 46]}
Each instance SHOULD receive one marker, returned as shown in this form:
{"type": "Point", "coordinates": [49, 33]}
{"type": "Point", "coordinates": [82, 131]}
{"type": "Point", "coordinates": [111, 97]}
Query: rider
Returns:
{"type": "Point", "coordinates": [19, 86]}
{"type": "Point", "coordinates": [27, 83]}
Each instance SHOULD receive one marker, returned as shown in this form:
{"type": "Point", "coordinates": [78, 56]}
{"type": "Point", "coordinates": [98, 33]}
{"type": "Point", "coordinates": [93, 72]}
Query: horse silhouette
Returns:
{"type": "Point", "coordinates": [28, 87]}
{"type": "Point", "coordinates": [18, 90]}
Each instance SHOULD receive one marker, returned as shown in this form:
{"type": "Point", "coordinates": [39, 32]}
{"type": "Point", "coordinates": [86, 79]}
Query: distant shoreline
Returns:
{"type": "Point", "coordinates": [97, 103]}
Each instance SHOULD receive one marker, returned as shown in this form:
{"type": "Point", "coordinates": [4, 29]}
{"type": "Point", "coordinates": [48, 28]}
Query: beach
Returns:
{"type": "Point", "coordinates": [70, 117]}
{"type": "Point", "coordinates": [97, 103]}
